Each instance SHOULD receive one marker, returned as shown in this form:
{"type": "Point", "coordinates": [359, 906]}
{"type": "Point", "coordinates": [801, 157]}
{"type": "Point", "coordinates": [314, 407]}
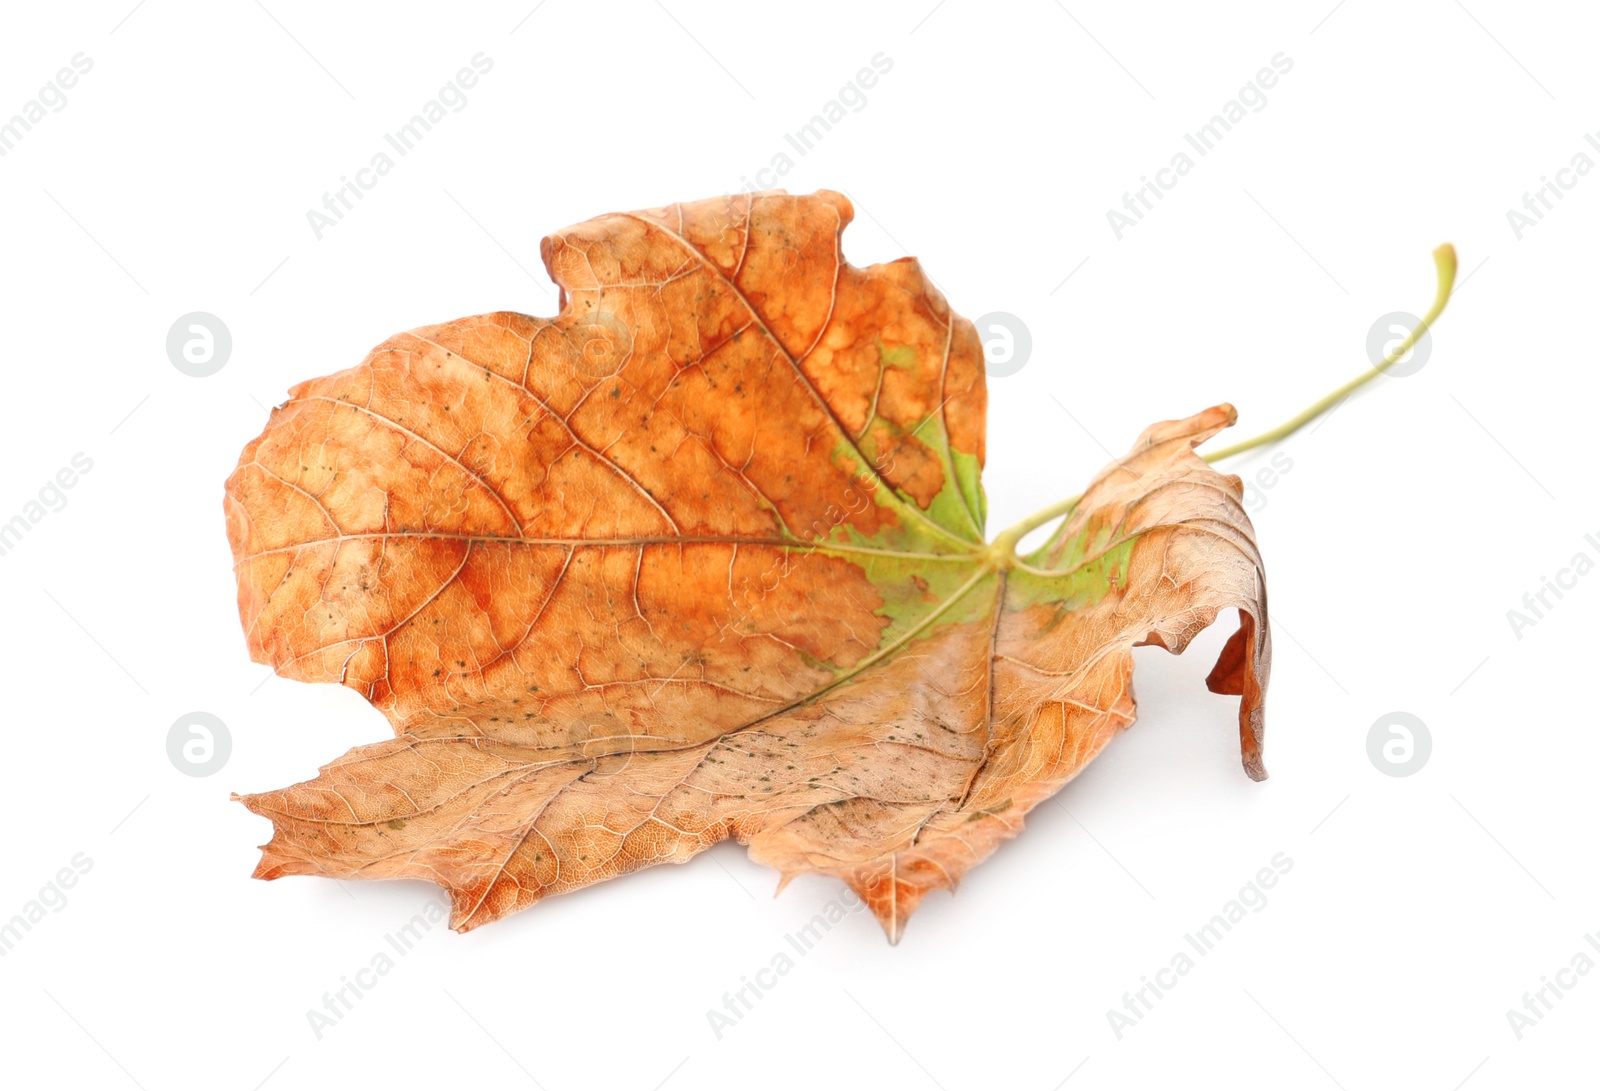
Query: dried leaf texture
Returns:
{"type": "Point", "coordinates": [702, 557]}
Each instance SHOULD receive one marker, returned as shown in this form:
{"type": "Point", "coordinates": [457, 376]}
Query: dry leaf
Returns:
{"type": "Point", "coordinates": [700, 558]}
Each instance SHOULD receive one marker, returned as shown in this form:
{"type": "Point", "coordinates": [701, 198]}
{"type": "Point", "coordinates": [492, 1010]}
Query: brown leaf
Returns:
{"type": "Point", "coordinates": [702, 557]}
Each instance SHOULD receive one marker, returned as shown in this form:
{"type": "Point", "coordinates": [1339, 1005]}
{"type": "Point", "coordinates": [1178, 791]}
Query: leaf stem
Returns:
{"type": "Point", "coordinates": [1004, 547]}
{"type": "Point", "coordinates": [1444, 259]}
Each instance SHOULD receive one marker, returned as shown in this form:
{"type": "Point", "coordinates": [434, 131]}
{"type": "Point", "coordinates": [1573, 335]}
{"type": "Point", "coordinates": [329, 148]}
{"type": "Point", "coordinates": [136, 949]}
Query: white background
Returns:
{"type": "Point", "coordinates": [1418, 910]}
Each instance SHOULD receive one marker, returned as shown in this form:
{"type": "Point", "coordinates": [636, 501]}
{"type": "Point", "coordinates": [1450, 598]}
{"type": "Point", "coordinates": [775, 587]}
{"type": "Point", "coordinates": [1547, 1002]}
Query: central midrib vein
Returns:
{"type": "Point", "coordinates": [800, 372]}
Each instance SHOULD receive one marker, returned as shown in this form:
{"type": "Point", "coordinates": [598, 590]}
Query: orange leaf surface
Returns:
{"type": "Point", "coordinates": [702, 557]}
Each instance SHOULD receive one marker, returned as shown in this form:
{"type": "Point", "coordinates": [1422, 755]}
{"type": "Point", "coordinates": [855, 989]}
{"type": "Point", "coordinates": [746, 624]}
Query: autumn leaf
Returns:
{"type": "Point", "coordinates": [703, 557]}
